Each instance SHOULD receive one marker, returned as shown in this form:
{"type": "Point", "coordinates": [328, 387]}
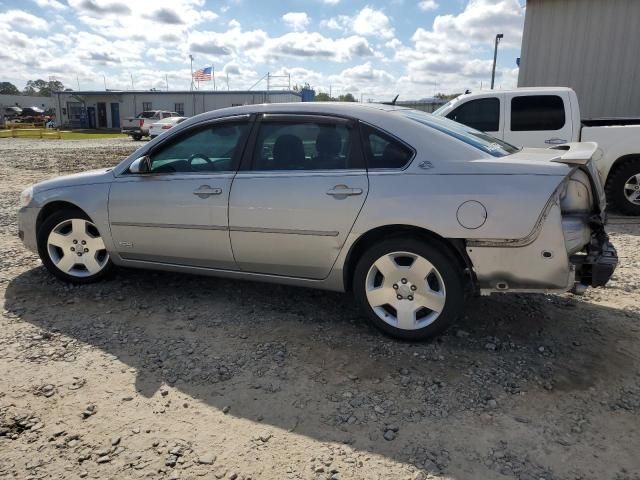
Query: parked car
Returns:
{"type": "Point", "coordinates": [138, 126]}
{"type": "Point", "coordinates": [407, 210]}
{"type": "Point", "coordinates": [163, 125]}
{"type": "Point", "coordinates": [11, 113]}
{"type": "Point", "coordinates": [544, 116]}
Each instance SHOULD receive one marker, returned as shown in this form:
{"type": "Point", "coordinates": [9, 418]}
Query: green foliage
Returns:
{"type": "Point", "coordinates": [8, 88]}
{"type": "Point", "coordinates": [324, 97]}
{"type": "Point", "coordinates": [444, 96]}
{"type": "Point", "coordinates": [347, 97]}
{"type": "Point", "coordinates": [42, 88]}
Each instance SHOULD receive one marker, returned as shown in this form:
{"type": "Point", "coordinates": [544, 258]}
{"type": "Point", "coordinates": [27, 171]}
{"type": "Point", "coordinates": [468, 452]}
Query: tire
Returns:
{"type": "Point", "coordinates": [623, 187]}
{"type": "Point", "coordinates": [137, 138]}
{"type": "Point", "coordinates": [397, 302]}
{"type": "Point", "coordinates": [60, 239]}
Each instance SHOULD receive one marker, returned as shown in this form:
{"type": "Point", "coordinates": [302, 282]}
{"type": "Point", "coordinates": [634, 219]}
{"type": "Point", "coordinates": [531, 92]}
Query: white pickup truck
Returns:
{"type": "Point", "coordinates": [548, 116]}
{"type": "Point", "coordinates": [138, 126]}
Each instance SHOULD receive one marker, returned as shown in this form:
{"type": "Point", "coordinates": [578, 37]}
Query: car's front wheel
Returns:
{"type": "Point", "coordinates": [71, 247]}
{"type": "Point", "coordinates": [409, 288]}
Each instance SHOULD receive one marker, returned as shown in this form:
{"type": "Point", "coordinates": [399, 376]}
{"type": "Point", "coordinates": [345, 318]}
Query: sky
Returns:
{"type": "Point", "coordinates": [373, 49]}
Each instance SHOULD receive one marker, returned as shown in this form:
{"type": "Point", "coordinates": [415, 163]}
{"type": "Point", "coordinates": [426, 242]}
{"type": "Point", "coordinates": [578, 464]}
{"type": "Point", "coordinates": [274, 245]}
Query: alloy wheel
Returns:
{"type": "Point", "coordinates": [632, 189]}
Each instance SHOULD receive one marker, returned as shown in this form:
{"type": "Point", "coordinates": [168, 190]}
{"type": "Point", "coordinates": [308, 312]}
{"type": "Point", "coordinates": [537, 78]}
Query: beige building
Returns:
{"type": "Point", "coordinates": [107, 109]}
{"type": "Point", "coordinates": [591, 46]}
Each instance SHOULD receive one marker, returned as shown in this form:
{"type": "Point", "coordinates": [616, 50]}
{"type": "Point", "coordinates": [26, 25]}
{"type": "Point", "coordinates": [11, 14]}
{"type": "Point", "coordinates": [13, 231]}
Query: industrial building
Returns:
{"type": "Point", "coordinates": [588, 45]}
{"type": "Point", "coordinates": [106, 109]}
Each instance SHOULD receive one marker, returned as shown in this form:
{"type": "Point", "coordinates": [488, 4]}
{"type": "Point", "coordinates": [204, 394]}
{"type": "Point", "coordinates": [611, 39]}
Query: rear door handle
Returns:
{"type": "Point", "coordinates": [342, 191]}
{"type": "Point", "coordinates": [205, 191]}
{"type": "Point", "coordinates": [555, 141]}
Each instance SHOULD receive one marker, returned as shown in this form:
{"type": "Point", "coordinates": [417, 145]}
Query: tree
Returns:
{"type": "Point", "coordinates": [446, 97]}
{"type": "Point", "coordinates": [42, 88]}
{"type": "Point", "coordinates": [347, 97]}
{"type": "Point", "coordinates": [8, 88]}
{"type": "Point", "coordinates": [323, 97]}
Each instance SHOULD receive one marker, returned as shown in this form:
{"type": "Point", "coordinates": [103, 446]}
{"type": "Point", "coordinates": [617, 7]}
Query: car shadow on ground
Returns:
{"type": "Point", "coordinates": [305, 361]}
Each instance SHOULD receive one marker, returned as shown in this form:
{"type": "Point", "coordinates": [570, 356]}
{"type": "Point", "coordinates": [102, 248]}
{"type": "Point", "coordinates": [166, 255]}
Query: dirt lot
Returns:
{"type": "Point", "coordinates": [159, 375]}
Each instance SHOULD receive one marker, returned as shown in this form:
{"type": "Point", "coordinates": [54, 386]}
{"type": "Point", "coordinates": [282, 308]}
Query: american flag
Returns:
{"type": "Point", "coordinates": [203, 74]}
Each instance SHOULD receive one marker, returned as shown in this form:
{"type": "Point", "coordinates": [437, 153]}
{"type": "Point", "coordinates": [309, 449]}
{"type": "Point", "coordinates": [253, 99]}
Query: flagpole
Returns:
{"type": "Point", "coordinates": [191, 58]}
{"type": "Point", "coordinates": [213, 77]}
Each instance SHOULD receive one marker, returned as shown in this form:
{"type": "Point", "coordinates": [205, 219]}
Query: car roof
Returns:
{"type": "Point", "coordinates": [349, 109]}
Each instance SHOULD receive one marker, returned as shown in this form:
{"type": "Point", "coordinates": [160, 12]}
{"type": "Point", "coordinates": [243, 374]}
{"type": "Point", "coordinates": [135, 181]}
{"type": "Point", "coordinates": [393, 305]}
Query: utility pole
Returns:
{"type": "Point", "coordinates": [104, 78]}
{"type": "Point", "coordinates": [495, 56]}
{"type": "Point", "coordinates": [166, 79]}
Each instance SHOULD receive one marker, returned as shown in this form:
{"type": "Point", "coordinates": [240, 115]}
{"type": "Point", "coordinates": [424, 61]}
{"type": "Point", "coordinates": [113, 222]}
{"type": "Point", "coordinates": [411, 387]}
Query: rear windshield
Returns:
{"type": "Point", "coordinates": [480, 140]}
{"type": "Point", "coordinates": [146, 115]}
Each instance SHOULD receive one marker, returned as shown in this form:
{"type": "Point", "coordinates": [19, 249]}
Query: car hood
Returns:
{"type": "Point", "coordinates": [102, 175]}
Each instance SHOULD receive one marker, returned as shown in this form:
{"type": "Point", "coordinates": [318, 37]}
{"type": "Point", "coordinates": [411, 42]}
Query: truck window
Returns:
{"type": "Point", "coordinates": [536, 113]}
{"type": "Point", "coordinates": [482, 114]}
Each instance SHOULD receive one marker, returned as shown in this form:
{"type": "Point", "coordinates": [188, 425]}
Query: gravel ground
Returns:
{"type": "Point", "coordinates": [160, 375]}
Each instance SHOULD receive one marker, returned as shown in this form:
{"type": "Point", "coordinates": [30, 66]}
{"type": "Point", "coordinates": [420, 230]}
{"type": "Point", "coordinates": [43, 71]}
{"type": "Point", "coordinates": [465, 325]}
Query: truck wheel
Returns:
{"type": "Point", "coordinates": [408, 288]}
{"type": "Point", "coordinates": [137, 138]}
{"type": "Point", "coordinates": [623, 187]}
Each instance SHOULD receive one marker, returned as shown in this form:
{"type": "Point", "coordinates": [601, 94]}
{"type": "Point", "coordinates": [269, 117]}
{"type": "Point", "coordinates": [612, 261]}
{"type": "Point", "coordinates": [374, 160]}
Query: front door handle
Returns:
{"type": "Point", "coordinates": [205, 191]}
{"type": "Point", "coordinates": [342, 191]}
{"type": "Point", "coordinates": [555, 141]}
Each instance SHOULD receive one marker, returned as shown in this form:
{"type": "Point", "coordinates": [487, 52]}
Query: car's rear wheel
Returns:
{"type": "Point", "coordinates": [408, 288]}
{"type": "Point", "coordinates": [623, 187]}
{"type": "Point", "coordinates": [137, 137]}
{"type": "Point", "coordinates": [71, 247]}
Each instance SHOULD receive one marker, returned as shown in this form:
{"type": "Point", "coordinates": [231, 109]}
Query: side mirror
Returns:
{"type": "Point", "coordinates": [141, 165]}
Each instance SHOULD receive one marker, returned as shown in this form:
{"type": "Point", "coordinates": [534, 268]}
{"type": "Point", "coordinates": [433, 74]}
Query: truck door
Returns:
{"type": "Point", "coordinates": [537, 120]}
{"type": "Point", "coordinates": [484, 114]}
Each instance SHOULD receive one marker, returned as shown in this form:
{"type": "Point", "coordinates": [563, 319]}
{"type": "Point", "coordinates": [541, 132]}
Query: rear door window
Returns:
{"type": "Point", "coordinates": [481, 114]}
{"type": "Point", "coordinates": [305, 144]}
{"type": "Point", "coordinates": [537, 113]}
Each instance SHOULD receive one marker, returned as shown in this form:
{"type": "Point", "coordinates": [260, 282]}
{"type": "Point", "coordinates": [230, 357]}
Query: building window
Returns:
{"type": "Point", "coordinates": [537, 113]}
{"type": "Point", "coordinates": [482, 114]}
{"type": "Point", "coordinates": [146, 106]}
{"type": "Point", "coordinates": [179, 108]}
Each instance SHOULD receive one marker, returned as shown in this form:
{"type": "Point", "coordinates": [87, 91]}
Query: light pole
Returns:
{"type": "Point", "coordinates": [495, 56]}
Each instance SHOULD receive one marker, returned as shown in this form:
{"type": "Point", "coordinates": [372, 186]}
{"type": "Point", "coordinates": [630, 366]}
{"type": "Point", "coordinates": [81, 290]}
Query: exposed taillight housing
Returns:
{"type": "Point", "coordinates": [141, 122]}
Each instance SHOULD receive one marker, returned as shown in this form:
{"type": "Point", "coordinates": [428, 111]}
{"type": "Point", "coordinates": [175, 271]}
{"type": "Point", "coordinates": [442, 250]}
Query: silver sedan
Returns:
{"type": "Point", "coordinates": [408, 211]}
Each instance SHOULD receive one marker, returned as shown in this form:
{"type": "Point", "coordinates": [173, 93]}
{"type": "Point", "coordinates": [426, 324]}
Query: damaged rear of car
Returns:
{"type": "Point", "coordinates": [573, 257]}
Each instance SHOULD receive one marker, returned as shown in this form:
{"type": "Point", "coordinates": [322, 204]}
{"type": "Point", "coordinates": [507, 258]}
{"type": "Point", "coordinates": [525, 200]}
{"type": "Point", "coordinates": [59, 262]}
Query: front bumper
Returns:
{"type": "Point", "coordinates": [596, 267]}
{"type": "Point", "coordinates": [27, 217]}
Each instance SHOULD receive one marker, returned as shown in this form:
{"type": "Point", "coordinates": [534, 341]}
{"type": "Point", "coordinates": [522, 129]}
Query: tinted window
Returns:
{"type": "Point", "coordinates": [146, 115]}
{"type": "Point", "coordinates": [537, 112]}
{"type": "Point", "coordinates": [304, 145]}
{"type": "Point", "coordinates": [382, 150]}
{"type": "Point", "coordinates": [210, 149]}
{"type": "Point", "coordinates": [482, 114]}
{"type": "Point", "coordinates": [468, 135]}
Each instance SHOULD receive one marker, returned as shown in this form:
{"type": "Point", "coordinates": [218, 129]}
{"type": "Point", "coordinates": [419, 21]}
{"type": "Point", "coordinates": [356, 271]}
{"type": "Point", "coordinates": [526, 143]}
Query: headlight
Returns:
{"type": "Point", "coordinates": [26, 196]}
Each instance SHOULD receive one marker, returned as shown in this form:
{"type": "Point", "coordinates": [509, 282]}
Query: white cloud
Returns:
{"type": "Point", "coordinates": [296, 20]}
{"type": "Point", "coordinates": [427, 5]}
{"type": "Point", "coordinates": [367, 22]}
{"type": "Point", "coordinates": [22, 20]}
{"type": "Point", "coordinates": [331, 2]}
{"type": "Point", "coordinates": [54, 4]}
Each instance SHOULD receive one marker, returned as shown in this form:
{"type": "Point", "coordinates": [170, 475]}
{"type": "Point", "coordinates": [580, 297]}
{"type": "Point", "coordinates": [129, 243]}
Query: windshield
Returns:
{"type": "Point", "coordinates": [480, 140]}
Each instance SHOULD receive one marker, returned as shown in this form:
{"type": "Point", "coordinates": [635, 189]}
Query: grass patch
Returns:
{"type": "Point", "coordinates": [90, 135]}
